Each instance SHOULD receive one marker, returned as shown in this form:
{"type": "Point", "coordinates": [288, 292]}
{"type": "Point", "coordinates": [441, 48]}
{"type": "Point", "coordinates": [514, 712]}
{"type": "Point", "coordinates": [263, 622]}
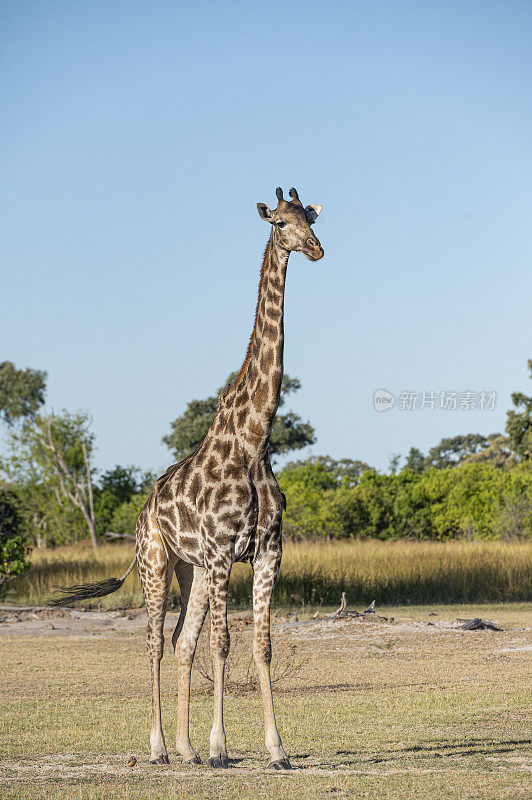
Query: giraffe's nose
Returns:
{"type": "Point", "coordinates": [313, 250]}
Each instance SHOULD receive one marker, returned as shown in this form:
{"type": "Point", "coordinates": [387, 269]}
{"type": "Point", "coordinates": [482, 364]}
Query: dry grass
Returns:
{"type": "Point", "coordinates": [389, 572]}
{"type": "Point", "coordinates": [373, 713]}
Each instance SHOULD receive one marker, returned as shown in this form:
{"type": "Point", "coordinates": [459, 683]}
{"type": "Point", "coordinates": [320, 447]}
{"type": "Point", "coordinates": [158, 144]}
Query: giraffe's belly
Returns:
{"type": "Point", "coordinates": [187, 546]}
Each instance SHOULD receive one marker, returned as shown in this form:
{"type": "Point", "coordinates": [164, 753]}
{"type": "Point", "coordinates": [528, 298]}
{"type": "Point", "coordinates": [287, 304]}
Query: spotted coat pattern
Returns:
{"type": "Point", "coordinates": [222, 504]}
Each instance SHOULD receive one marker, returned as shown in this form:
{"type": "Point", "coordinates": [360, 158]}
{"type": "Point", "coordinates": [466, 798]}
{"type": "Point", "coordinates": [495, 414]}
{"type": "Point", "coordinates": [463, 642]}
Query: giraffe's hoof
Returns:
{"type": "Point", "coordinates": [194, 760]}
{"type": "Point", "coordinates": [283, 763]}
{"type": "Point", "coordinates": [161, 760]}
{"type": "Point", "coordinates": [218, 762]}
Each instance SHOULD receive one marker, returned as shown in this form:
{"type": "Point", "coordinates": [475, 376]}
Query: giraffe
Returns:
{"type": "Point", "coordinates": [219, 505]}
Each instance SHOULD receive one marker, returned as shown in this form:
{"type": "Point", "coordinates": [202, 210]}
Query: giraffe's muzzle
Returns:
{"type": "Point", "coordinates": [313, 249]}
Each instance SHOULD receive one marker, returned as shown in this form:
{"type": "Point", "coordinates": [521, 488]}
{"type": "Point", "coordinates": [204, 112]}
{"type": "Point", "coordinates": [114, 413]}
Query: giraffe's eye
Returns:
{"type": "Point", "coordinates": [281, 224]}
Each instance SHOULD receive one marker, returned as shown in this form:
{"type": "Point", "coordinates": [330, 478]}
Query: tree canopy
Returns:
{"type": "Point", "coordinates": [50, 461]}
{"type": "Point", "coordinates": [339, 471]}
{"type": "Point", "coordinates": [116, 489]}
{"type": "Point", "coordinates": [22, 392]}
{"type": "Point", "coordinates": [457, 449]}
{"type": "Point", "coordinates": [519, 422]}
{"type": "Point", "coordinates": [415, 460]}
{"type": "Point", "coordinates": [473, 501]}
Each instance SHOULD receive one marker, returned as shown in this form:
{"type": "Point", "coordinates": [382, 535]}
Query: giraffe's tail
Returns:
{"type": "Point", "coordinates": [71, 594]}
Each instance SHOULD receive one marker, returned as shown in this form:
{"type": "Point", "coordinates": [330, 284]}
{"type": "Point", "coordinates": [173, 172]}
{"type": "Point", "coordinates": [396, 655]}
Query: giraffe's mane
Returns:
{"type": "Point", "coordinates": [249, 351]}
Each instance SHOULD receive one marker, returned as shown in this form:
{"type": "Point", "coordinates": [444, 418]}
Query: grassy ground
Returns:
{"type": "Point", "coordinates": [383, 711]}
{"type": "Point", "coordinates": [389, 572]}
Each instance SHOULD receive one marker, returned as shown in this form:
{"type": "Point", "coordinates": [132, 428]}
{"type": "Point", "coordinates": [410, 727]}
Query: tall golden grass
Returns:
{"type": "Point", "coordinates": [388, 572]}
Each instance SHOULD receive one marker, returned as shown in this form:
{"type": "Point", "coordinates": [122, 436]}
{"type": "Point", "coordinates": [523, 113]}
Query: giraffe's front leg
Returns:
{"type": "Point", "coordinates": [264, 575]}
{"type": "Point", "coordinates": [219, 571]}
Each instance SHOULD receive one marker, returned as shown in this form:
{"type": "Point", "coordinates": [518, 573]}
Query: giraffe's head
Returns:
{"type": "Point", "coordinates": [291, 225]}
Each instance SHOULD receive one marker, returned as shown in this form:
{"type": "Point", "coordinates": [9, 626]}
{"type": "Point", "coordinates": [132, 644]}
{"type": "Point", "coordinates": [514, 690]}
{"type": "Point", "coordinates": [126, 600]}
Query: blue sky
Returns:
{"type": "Point", "coordinates": [136, 139]}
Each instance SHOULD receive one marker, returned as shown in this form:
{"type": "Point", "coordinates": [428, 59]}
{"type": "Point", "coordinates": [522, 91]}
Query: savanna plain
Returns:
{"type": "Point", "coordinates": [396, 704]}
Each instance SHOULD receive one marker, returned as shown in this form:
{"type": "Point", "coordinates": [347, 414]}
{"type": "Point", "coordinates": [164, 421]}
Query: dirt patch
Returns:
{"type": "Point", "coordinates": [71, 766]}
{"type": "Point", "coordinates": [367, 625]}
{"type": "Point", "coordinates": [43, 621]}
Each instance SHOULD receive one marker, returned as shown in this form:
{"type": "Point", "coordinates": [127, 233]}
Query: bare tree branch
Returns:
{"type": "Point", "coordinates": [78, 492]}
{"type": "Point", "coordinates": [88, 472]}
{"type": "Point", "coordinates": [113, 536]}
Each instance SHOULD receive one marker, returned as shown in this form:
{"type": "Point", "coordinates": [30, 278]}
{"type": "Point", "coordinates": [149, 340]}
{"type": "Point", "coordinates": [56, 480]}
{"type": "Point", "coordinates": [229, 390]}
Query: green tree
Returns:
{"type": "Point", "coordinates": [456, 449]}
{"type": "Point", "coordinates": [393, 465]}
{"type": "Point", "coordinates": [50, 461]}
{"type": "Point", "coordinates": [14, 546]}
{"type": "Point", "coordinates": [289, 432]}
{"type": "Point", "coordinates": [376, 496]}
{"type": "Point", "coordinates": [124, 519]}
{"type": "Point", "coordinates": [115, 489]}
{"type": "Point", "coordinates": [309, 513]}
{"type": "Point", "coordinates": [519, 422]}
{"type": "Point", "coordinates": [346, 471]}
{"type": "Point", "coordinates": [415, 460]}
{"type": "Point", "coordinates": [498, 452]}
{"type": "Point", "coordinates": [308, 473]}
{"type": "Point", "coordinates": [121, 482]}
{"type": "Point", "coordinates": [21, 392]}
{"type": "Point", "coordinates": [465, 500]}
{"type": "Point", "coordinates": [412, 515]}
{"type": "Point", "coordinates": [46, 518]}
{"type": "Point", "coordinates": [476, 500]}
{"type": "Point", "coordinates": [515, 503]}
{"type": "Point", "coordinates": [350, 511]}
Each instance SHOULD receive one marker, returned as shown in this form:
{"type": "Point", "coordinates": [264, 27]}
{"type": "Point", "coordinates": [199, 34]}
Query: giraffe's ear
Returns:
{"type": "Point", "coordinates": [312, 213]}
{"type": "Point", "coordinates": [264, 212]}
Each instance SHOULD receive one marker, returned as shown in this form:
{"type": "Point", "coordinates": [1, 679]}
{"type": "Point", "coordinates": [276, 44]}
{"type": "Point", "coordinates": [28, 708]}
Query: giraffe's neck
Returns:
{"type": "Point", "coordinates": [257, 389]}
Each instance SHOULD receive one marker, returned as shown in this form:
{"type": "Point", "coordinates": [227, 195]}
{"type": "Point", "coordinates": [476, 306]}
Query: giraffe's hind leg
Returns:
{"type": "Point", "coordinates": [194, 605]}
{"type": "Point", "coordinates": [155, 571]}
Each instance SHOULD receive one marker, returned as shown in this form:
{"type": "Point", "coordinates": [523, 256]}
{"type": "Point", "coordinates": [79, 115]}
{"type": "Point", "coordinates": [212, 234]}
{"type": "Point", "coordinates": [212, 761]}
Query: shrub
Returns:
{"type": "Point", "coordinates": [479, 500]}
{"type": "Point", "coordinates": [13, 544]}
{"type": "Point", "coordinates": [124, 518]}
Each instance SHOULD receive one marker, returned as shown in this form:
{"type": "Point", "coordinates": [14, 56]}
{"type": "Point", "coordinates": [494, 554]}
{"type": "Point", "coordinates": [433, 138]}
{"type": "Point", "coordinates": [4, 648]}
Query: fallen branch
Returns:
{"type": "Point", "coordinates": [114, 536]}
{"type": "Point", "coordinates": [342, 612]}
